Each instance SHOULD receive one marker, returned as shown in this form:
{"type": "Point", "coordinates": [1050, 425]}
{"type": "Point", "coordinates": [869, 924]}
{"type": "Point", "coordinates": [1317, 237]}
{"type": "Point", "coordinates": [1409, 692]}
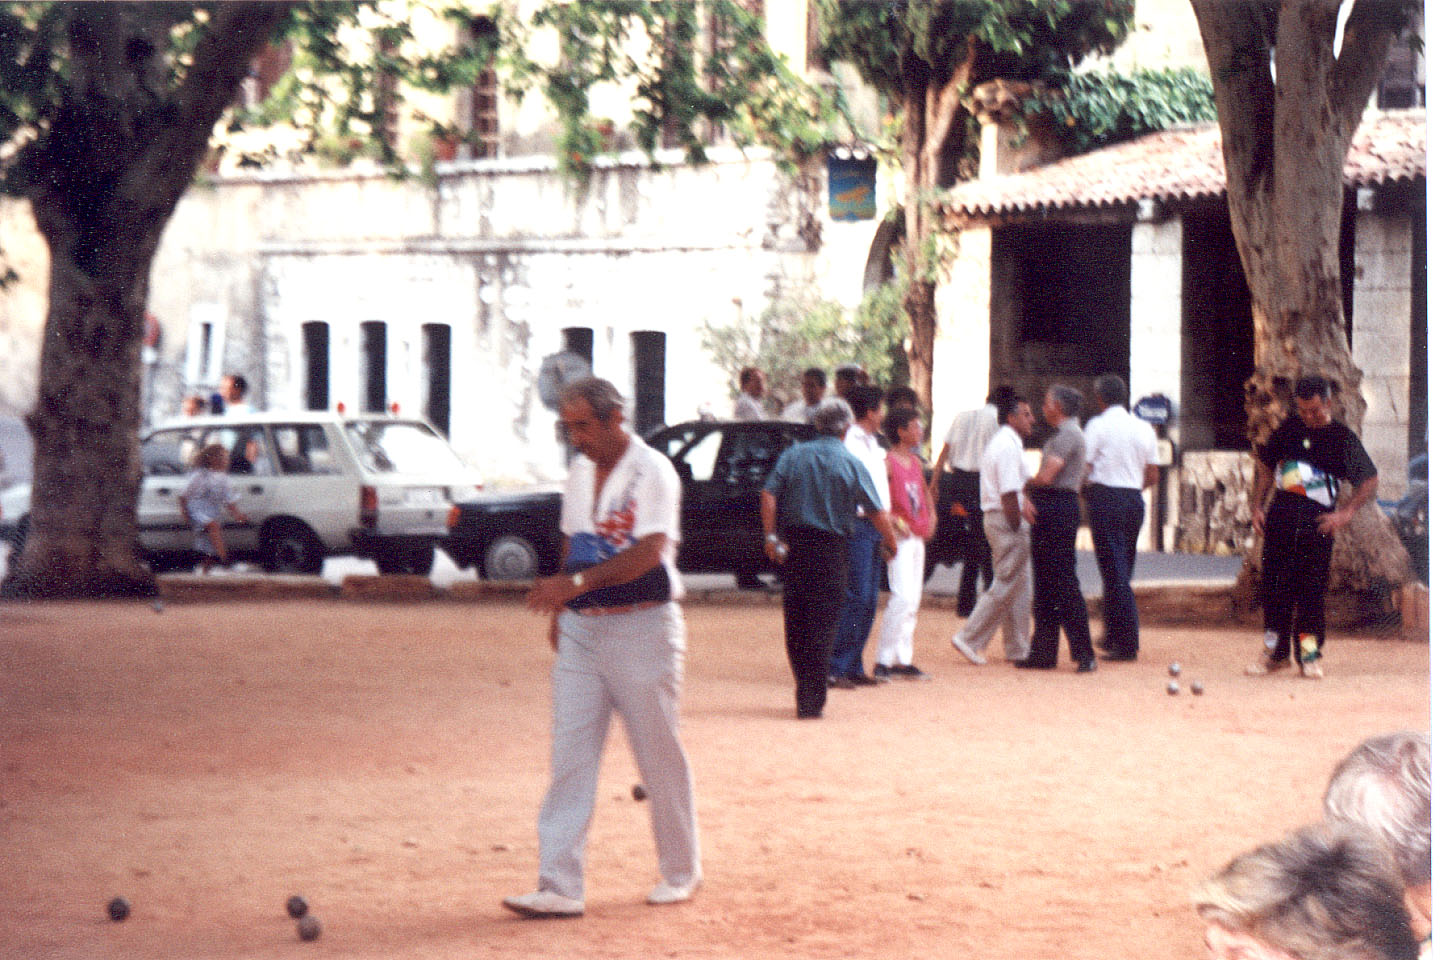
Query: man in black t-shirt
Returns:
{"type": "Point", "coordinates": [1305, 459]}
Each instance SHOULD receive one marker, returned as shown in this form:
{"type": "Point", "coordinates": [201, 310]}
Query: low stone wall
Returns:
{"type": "Point", "coordinates": [1214, 513]}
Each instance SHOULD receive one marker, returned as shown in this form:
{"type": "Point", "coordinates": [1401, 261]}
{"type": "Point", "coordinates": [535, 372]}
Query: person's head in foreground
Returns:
{"type": "Point", "coordinates": [1384, 785]}
{"type": "Point", "coordinates": [1327, 892]}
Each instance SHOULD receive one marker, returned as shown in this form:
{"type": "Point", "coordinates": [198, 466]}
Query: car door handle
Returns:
{"type": "Point", "coordinates": [163, 491]}
{"type": "Point", "coordinates": [257, 490]}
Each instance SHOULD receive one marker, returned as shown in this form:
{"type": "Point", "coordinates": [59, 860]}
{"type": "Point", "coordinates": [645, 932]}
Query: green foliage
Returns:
{"type": "Point", "coordinates": [803, 330]}
{"type": "Point", "coordinates": [696, 68]}
{"type": "Point", "coordinates": [1095, 109]}
{"type": "Point", "coordinates": [895, 43]}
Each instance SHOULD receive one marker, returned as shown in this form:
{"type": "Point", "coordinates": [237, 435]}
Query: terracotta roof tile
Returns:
{"type": "Point", "coordinates": [1179, 164]}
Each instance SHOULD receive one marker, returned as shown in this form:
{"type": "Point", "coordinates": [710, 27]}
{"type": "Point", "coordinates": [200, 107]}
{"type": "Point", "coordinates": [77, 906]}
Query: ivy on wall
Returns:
{"type": "Point", "coordinates": [1103, 107]}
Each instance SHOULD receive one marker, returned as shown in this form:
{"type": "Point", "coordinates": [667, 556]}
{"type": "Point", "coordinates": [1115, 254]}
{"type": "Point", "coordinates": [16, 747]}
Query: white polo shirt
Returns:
{"type": "Point", "coordinates": [970, 433]}
{"type": "Point", "coordinates": [1118, 447]}
{"type": "Point", "coordinates": [1002, 468]}
{"type": "Point", "coordinates": [866, 446]}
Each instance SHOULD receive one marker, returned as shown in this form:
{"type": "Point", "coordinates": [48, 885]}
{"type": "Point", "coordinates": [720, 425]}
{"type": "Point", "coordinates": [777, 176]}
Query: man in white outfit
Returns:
{"type": "Point", "coordinates": [620, 644]}
{"type": "Point", "coordinates": [1005, 604]}
{"type": "Point", "coordinates": [750, 405]}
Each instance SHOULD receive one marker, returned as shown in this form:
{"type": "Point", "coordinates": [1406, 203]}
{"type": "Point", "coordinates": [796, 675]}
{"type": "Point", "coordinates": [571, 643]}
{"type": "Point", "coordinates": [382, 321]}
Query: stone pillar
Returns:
{"type": "Point", "coordinates": [1381, 342]}
{"type": "Point", "coordinates": [1155, 336]}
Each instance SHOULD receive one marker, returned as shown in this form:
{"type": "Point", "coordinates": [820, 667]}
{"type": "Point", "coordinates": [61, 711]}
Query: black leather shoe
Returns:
{"type": "Point", "coordinates": [864, 680]}
{"type": "Point", "coordinates": [1086, 666]}
{"type": "Point", "coordinates": [1118, 657]}
{"type": "Point", "coordinates": [1028, 664]}
{"type": "Point", "coordinates": [842, 683]}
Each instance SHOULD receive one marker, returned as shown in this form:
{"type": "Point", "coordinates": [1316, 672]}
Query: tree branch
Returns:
{"type": "Point", "coordinates": [1372, 27]}
{"type": "Point", "coordinates": [943, 107]}
{"type": "Point", "coordinates": [1238, 38]}
{"type": "Point", "coordinates": [237, 32]}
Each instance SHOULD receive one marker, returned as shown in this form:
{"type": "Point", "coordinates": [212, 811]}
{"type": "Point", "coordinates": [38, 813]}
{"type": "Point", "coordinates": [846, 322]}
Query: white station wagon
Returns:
{"type": "Point", "coordinates": [312, 485]}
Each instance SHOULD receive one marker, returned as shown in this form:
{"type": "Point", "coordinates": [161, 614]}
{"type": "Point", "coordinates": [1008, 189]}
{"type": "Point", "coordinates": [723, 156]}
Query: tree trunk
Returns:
{"type": "Point", "coordinates": [917, 167]}
{"type": "Point", "coordinates": [1284, 145]}
{"type": "Point", "coordinates": [82, 539]}
{"type": "Point", "coordinates": [103, 181]}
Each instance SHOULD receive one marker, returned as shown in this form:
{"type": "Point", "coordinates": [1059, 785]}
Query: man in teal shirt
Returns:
{"type": "Point", "coordinates": [808, 507]}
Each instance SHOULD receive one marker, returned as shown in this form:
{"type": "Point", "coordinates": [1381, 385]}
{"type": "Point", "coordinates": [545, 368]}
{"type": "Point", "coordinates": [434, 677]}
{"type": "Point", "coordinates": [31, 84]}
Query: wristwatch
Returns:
{"type": "Point", "coordinates": [579, 580]}
{"type": "Point", "coordinates": [772, 538]}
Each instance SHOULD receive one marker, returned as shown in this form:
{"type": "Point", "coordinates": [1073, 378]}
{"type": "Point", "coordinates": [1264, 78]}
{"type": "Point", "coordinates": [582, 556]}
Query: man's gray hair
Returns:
{"type": "Point", "coordinates": [832, 417]}
{"type": "Point", "coordinates": [1068, 399]}
{"type": "Point", "coordinates": [1327, 892]}
{"type": "Point", "coordinates": [1111, 388]}
{"type": "Point", "coordinates": [1384, 786]}
{"type": "Point", "coordinates": [600, 394]}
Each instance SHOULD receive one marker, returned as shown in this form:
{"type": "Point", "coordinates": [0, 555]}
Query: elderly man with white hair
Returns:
{"type": "Point", "coordinates": [1384, 786]}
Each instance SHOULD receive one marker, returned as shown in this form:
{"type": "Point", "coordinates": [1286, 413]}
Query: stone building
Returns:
{"type": "Point", "coordinates": [1122, 260]}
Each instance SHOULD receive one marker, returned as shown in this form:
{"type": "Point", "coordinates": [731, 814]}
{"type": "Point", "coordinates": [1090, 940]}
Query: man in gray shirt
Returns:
{"type": "Point", "coordinates": [1054, 490]}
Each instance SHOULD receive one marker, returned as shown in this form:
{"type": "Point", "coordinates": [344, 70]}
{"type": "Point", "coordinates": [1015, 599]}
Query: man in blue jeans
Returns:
{"type": "Point", "coordinates": [1121, 459]}
{"type": "Point", "coordinates": [862, 592]}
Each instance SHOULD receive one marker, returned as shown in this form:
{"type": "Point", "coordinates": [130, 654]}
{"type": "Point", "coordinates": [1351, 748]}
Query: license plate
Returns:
{"type": "Point", "coordinates": [424, 496]}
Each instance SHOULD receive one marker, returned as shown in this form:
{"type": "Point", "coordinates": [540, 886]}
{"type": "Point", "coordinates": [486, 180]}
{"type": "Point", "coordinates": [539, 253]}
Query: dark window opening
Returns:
{"type": "Point", "coordinates": [648, 351]}
{"type": "Point", "coordinates": [437, 375]}
{"type": "Point", "coordinates": [483, 118]}
{"type": "Point", "coordinates": [581, 342]}
{"type": "Point", "coordinates": [317, 365]}
{"type": "Point", "coordinates": [372, 366]}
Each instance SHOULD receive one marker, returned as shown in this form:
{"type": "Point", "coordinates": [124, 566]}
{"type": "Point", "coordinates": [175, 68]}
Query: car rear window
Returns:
{"type": "Point", "coordinates": [396, 446]}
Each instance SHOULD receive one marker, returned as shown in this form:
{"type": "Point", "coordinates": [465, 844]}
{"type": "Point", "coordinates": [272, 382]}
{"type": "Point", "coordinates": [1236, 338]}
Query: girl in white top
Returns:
{"type": "Point", "coordinates": [208, 495]}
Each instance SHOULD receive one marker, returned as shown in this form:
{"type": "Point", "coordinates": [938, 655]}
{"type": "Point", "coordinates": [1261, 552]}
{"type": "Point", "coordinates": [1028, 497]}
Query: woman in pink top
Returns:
{"type": "Point", "coordinates": [912, 511]}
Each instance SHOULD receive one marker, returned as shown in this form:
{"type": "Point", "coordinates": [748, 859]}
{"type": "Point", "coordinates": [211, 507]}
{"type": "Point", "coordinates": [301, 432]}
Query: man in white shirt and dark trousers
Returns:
{"type": "Point", "coordinates": [1122, 460]}
{"type": "Point", "coordinates": [955, 481]}
{"type": "Point", "coordinates": [1005, 604]}
{"type": "Point", "coordinates": [862, 592]}
{"type": "Point", "coordinates": [619, 639]}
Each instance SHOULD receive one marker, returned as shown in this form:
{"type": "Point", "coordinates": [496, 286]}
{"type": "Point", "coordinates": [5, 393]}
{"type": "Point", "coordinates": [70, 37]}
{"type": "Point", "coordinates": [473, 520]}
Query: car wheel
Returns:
{"type": "Point", "coordinates": [291, 548]}
{"type": "Point", "coordinates": [511, 557]}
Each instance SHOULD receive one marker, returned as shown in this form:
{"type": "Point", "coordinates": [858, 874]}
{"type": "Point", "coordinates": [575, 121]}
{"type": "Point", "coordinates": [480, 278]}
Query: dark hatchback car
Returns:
{"type": "Point", "coordinates": [722, 466]}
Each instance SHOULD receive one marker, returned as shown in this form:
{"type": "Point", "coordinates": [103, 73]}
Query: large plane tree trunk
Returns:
{"type": "Point", "coordinates": [1284, 144]}
{"type": "Point", "coordinates": [103, 182]}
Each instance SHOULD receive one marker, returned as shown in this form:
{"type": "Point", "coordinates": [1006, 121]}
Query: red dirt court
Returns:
{"type": "Point", "coordinates": [387, 761]}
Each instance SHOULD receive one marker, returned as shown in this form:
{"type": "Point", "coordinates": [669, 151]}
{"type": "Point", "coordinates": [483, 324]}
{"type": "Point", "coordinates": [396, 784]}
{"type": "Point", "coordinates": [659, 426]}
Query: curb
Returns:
{"type": "Point", "coordinates": [1173, 602]}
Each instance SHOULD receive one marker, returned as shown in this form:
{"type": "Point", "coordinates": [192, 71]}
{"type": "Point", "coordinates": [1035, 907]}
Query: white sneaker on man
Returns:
{"type": "Point", "coordinates": [958, 642]}
{"type": "Point", "coordinates": [544, 903]}
{"type": "Point", "coordinates": [664, 893]}
{"type": "Point", "coordinates": [1310, 669]}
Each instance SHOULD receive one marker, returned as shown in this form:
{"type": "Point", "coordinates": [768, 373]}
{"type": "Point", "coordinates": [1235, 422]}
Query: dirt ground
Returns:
{"type": "Point", "coordinates": [387, 762]}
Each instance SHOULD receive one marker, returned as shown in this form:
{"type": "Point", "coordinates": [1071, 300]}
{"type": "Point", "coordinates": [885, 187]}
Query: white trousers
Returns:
{"type": "Point", "coordinates": [896, 646]}
{"type": "Point", "coordinates": [1005, 604]}
{"type": "Point", "coordinates": [630, 663]}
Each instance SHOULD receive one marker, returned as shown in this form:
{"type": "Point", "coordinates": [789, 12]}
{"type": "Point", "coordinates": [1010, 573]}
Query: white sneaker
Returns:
{"type": "Point", "coordinates": [1310, 669]}
{"type": "Point", "coordinates": [544, 903]}
{"type": "Point", "coordinates": [958, 642]}
{"type": "Point", "coordinates": [664, 893]}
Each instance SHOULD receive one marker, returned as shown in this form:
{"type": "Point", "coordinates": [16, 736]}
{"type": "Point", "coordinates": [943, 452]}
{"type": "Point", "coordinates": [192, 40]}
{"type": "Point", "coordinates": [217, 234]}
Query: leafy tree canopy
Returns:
{"type": "Point", "coordinates": [1018, 39]}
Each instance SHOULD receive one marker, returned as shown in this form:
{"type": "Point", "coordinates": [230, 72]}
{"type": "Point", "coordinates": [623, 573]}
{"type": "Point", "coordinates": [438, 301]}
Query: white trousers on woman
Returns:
{"type": "Point", "coordinates": [630, 663]}
{"type": "Point", "coordinates": [896, 647]}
